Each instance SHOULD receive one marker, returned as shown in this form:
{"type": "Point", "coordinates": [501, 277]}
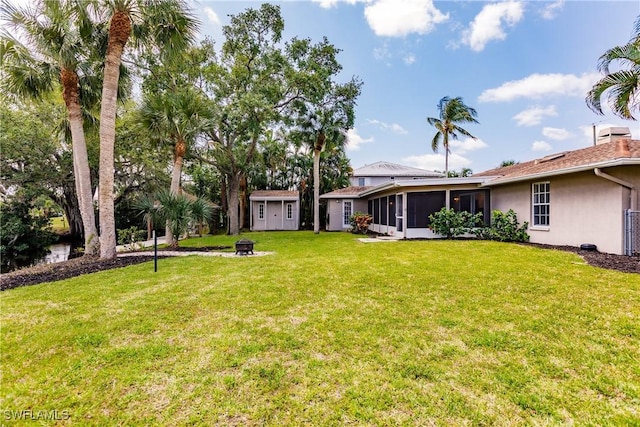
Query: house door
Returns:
{"type": "Point", "coordinates": [274, 215]}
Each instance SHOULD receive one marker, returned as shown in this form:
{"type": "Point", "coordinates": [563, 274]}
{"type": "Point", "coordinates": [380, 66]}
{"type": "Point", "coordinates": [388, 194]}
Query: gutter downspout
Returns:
{"type": "Point", "coordinates": [626, 184]}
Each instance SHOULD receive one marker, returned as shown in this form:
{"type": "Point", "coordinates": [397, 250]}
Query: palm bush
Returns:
{"type": "Point", "coordinates": [175, 209]}
{"type": "Point", "coordinates": [201, 212]}
{"type": "Point", "coordinates": [149, 207]}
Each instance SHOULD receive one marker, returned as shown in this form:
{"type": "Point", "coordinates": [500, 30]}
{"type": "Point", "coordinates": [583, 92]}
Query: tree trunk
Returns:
{"type": "Point", "coordinates": [233, 201]}
{"type": "Point", "coordinates": [175, 190]}
{"type": "Point", "coordinates": [81, 171]}
{"type": "Point", "coordinates": [242, 200]}
{"type": "Point", "coordinates": [316, 191]}
{"type": "Point", "coordinates": [119, 31]}
{"type": "Point", "coordinates": [445, 143]}
{"type": "Point", "coordinates": [70, 205]}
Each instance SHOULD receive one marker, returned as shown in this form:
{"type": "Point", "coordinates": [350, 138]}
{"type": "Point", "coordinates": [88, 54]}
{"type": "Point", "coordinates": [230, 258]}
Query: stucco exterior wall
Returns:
{"type": "Point", "coordinates": [335, 210]}
{"type": "Point", "coordinates": [584, 208]}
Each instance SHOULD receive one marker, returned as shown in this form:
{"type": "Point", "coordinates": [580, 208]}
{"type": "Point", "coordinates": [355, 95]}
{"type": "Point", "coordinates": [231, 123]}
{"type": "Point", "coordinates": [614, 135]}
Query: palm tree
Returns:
{"type": "Point", "coordinates": [451, 111]}
{"type": "Point", "coordinates": [177, 117]}
{"type": "Point", "coordinates": [50, 53]}
{"type": "Point", "coordinates": [622, 86]}
{"type": "Point", "coordinates": [161, 24]}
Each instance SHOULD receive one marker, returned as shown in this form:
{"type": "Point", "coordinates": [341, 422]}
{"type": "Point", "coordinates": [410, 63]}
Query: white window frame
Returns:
{"type": "Point", "coordinates": [261, 211]}
{"type": "Point", "coordinates": [540, 198]}
{"type": "Point", "coordinates": [362, 182]}
{"type": "Point", "coordinates": [289, 210]}
{"type": "Point", "coordinates": [346, 219]}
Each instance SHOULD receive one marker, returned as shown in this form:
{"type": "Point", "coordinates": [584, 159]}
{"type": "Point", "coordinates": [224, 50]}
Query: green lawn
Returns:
{"type": "Point", "coordinates": [331, 331]}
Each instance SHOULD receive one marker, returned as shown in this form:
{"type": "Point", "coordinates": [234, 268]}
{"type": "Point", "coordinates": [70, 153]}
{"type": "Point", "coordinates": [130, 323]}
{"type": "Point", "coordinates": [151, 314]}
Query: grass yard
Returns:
{"type": "Point", "coordinates": [330, 331]}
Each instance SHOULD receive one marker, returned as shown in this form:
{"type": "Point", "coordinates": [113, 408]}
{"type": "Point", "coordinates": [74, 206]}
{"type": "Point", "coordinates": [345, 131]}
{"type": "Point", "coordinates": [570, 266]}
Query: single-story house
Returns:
{"type": "Point", "coordinates": [342, 203]}
{"type": "Point", "coordinates": [569, 198]}
{"type": "Point", "coordinates": [274, 210]}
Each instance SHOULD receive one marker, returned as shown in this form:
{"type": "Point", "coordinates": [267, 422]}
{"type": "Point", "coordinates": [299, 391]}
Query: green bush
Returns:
{"type": "Point", "coordinates": [130, 236]}
{"type": "Point", "coordinates": [451, 223]}
{"type": "Point", "coordinates": [504, 228]}
{"type": "Point", "coordinates": [360, 222]}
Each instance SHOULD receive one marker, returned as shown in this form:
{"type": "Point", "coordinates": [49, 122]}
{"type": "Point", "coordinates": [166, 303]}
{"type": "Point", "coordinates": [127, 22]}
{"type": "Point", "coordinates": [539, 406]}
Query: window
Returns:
{"type": "Point", "coordinates": [361, 182]}
{"type": "Point", "coordinates": [541, 203]}
{"type": "Point", "coordinates": [346, 212]}
{"type": "Point", "coordinates": [473, 202]}
{"type": "Point", "coordinates": [261, 211]}
{"type": "Point", "coordinates": [289, 210]}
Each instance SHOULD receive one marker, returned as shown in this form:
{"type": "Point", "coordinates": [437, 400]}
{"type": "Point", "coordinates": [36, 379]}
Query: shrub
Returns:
{"type": "Point", "coordinates": [450, 223]}
{"type": "Point", "coordinates": [130, 237]}
{"type": "Point", "coordinates": [504, 228]}
{"type": "Point", "coordinates": [360, 222]}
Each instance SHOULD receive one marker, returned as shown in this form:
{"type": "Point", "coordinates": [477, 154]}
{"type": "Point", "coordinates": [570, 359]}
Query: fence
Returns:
{"type": "Point", "coordinates": [631, 232]}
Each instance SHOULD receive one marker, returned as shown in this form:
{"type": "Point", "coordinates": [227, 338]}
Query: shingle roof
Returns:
{"type": "Point", "coordinates": [283, 194]}
{"type": "Point", "coordinates": [393, 169]}
{"type": "Point", "coordinates": [565, 162]}
{"type": "Point", "coordinates": [347, 192]}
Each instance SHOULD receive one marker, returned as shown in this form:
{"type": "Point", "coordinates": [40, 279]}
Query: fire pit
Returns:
{"type": "Point", "coordinates": [244, 247]}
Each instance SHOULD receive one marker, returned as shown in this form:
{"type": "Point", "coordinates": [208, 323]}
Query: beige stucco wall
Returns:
{"type": "Point", "coordinates": [334, 212]}
{"type": "Point", "coordinates": [584, 208]}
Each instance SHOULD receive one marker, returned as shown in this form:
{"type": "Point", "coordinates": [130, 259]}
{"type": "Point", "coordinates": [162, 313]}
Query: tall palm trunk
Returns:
{"type": "Point", "coordinates": [119, 31]}
{"type": "Point", "coordinates": [179, 152]}
{"type": "Point", "coordinates": [82, 172]}
{"type": "Point", "coordinates": [445, 143]}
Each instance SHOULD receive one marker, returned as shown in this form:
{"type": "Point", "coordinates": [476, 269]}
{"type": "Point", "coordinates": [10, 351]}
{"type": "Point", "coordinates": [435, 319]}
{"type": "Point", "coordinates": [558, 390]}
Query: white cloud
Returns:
{"type": "Point", "coordinates": [540, 146]}
{"type": "Point", "coordinates": [396, 18]}
{"type": "Point", "coordinates": [382, 53]}
{"type": "Point", "coordinates": [394, 127]}
{"type": "Point", "coordinates": [436, 161]}
{"type": "Point", "coordinates": [409, 58]}
{"type": "Point", "coordinates": [534, 115]}
{"type": "Point", "coordinates": [488, 24]}
{"type": "Point", "coordinates": [212, 16]}
{"type": "Point", "coordinates": [551, 10]}
{"type": "Point", "coordinates": [327, 4]}
{"type": "Point", "coordinates": [354, 140]}
{"type": "Point", "coordinates": [538, 85]}
{"type": "Point", "coordinates": [556, 133]}
{"type": "Point", "coordinates": [464, 146]}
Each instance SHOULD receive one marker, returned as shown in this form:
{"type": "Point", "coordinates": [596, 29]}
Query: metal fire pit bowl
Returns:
{"type": "Point", "coordinates": [244, 247]}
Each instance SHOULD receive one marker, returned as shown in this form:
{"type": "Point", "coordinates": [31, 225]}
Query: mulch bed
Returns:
{"type": "Point", "coordinates": [84, 265]}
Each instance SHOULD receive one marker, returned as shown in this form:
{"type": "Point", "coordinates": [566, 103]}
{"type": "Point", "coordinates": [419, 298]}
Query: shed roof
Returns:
{"type": "Point", "coordinates": [274, 194]}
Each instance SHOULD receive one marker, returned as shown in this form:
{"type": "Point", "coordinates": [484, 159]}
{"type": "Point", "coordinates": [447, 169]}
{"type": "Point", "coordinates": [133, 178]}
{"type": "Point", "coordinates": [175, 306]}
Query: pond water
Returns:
{"type": "Point", "coordinates": [59, 252]}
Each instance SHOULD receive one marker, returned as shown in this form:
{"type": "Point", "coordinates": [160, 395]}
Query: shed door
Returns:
{"type": "Point", "coordinates": [274, 215]}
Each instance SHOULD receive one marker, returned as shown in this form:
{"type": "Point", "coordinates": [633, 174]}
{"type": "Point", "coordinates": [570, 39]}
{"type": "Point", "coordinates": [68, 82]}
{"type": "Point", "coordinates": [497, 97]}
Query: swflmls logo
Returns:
{"type": "Point", "coordinates": [29, 414]}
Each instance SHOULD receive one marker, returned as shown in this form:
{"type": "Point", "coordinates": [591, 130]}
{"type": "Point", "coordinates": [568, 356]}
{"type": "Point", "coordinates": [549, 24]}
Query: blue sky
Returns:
{"type": "Point", "coordinates": [525, 66]}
